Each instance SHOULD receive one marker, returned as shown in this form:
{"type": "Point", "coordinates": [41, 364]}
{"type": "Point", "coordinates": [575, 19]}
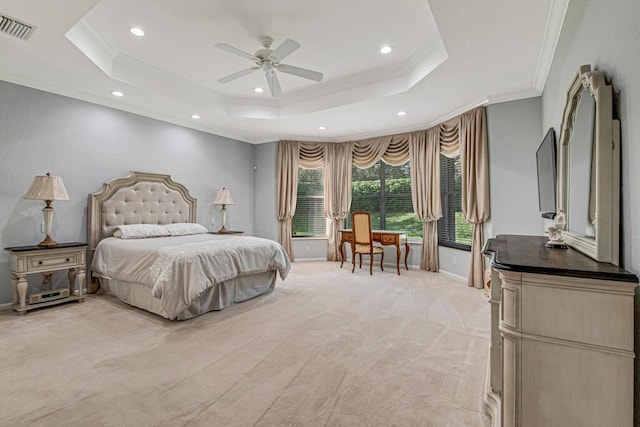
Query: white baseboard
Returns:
{"type": "Point", "coordinates": [311, 260]}
{"type": "Point", "coordinates": [448, 273]}
{"type": "Point", "coordinates": [6, 306]}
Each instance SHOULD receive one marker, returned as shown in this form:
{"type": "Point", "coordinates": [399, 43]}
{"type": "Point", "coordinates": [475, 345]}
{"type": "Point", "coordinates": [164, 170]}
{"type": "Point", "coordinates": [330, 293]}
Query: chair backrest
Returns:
{"type": "Point", "coordinates": [361, 226]}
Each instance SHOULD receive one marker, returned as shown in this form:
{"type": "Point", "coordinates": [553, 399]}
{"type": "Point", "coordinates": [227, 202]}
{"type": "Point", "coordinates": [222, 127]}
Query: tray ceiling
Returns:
{"type": "Point", "coordinates": [446, 57]}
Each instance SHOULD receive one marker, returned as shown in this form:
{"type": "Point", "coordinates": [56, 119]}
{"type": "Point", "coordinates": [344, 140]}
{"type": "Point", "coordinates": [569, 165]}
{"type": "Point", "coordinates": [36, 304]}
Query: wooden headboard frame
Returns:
{"type": "Point", "coordinates": [139, 198]}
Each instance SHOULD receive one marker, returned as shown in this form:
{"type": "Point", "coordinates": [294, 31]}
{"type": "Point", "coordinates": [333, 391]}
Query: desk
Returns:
{"type": "Point", "coordinates": [384, 237]}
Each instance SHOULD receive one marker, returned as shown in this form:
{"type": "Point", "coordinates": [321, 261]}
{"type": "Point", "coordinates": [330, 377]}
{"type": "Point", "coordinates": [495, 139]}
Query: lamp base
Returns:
{"type": "Point", "coordinates": [223, 230]}
{"type": "Point", "coordinates": [48, 242]}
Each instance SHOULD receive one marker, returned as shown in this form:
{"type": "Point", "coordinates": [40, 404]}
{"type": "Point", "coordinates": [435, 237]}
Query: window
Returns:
{"type": "Point", "coordinates": [453, 230]}
{"type": "Point", "coordinates": [309, 218]}
{"type": "Point", "coordinates": [385, 192]}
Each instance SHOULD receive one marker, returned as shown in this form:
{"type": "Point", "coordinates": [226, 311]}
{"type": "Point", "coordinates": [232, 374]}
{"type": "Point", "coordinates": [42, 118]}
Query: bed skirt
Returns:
{"type": "Point", "coordinates": [223, 295]}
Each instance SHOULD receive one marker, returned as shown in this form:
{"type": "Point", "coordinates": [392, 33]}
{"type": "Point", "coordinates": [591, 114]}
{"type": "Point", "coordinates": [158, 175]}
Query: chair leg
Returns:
{"type": "Point", "coordinates": [382, 261]}
{"type": "Point", "coordinates": [371, 264]}
{"type": "Point", "coordinates": [353, 262]}
{"type": "Point", "coordinates": [360, 260]}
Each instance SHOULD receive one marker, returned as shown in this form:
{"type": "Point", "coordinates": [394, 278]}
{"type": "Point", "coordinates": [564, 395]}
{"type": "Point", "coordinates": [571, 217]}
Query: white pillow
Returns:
{"type": "Point", "coordinates": [140, 231]}
{"type": "Point", "coordinates": [185, 228]}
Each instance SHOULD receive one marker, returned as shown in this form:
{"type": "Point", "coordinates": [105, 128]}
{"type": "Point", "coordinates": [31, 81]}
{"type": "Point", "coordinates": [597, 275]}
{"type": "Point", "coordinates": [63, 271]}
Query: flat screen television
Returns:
{"type": "Point", "coordinates": [547, 175]}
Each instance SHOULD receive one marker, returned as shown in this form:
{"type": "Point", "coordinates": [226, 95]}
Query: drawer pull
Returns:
{"type": "Point", "coordinates": [39, 262]}
{"type": "Point", "coordinates": [68, 259]}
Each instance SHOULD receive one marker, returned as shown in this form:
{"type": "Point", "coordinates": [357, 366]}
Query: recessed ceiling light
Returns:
{"type": "Point", "coordinates": [137, 31]}
{"type": "Point", "coordinates": [322, 128]}
{"type": "Point", "coordinates": [195, 116]}
{"type": "Point", "coordinates": [258, 90]}
{"type": "Point", "coordinates": [385, 49]}
{"type": "Point", "coordinates": [116, 93]}
{"type": "Point", "coordinates": [402, 113]}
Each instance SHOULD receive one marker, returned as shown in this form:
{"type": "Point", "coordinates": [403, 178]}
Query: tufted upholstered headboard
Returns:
{"type": "Point", "coordinates": [139, 198]}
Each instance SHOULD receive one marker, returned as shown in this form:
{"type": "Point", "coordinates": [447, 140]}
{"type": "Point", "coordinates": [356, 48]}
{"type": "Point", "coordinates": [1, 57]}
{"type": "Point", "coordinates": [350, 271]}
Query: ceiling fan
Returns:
{"type": "Point", "coordinates": [270, 61]}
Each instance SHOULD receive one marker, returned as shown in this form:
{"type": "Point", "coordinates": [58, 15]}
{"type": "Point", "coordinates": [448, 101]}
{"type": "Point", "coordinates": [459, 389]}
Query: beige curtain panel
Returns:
{"type": "Point", "coordinates": [337, 192]}
{"type": "Point", "coordinates": [287, 163]}
{"type": "Point", "coordinates": [424, 167]}
{"type": "Point", "coordinates": [474, 161]}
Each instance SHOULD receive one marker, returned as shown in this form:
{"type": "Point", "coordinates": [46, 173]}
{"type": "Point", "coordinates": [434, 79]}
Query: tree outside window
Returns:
{"type": "Point", "coordinates": [385, 192]}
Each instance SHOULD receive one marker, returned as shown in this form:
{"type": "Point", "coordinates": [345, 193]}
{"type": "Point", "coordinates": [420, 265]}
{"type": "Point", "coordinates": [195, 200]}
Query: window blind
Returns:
{"type": "Point", "coordinates": [309, 219]}
{"type": "Point", "coordinates": [453, 230]}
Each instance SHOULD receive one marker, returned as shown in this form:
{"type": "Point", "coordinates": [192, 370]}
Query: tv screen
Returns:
{"type": "Point", "coordinates": [547, 170]}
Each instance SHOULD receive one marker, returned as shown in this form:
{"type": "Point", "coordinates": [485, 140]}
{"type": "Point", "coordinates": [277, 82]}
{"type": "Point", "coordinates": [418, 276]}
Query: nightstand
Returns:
{"type": "Point", "coordinates": [237, 233]}
{"type": "Point", "coordinates": [25, 260]}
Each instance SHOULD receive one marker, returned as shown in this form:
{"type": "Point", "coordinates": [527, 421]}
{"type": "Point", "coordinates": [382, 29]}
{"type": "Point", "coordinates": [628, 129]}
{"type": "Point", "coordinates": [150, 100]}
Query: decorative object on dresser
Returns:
{"type": "Point", "coordinates": [47, 188]}
{"type": "Point", "coordinates": [555, 232]}
{"type": "Point", "coordinates": [223, 198]}
{"type": "Point", "coordinates": [562, 337]}
{"type": "Point", "coordinates": [25, 260]}
{"type": "Point", "coordinates": [589, 168]}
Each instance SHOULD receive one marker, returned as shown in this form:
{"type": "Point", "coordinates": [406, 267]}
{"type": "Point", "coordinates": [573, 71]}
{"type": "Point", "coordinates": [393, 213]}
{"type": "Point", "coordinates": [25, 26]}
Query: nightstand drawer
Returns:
{"type": "Point", "coordinates": [38, 262]}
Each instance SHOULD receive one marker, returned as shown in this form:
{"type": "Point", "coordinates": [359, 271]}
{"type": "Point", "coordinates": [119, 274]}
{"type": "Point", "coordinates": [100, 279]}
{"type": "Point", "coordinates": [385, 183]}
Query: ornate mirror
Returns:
{"type": "Point", "coordinates": [589, 168]}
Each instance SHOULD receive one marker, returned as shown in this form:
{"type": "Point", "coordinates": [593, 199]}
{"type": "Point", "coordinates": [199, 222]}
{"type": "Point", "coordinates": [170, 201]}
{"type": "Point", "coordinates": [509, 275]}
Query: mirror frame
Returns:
{"type": "Point", "coordinates": [606, 245]}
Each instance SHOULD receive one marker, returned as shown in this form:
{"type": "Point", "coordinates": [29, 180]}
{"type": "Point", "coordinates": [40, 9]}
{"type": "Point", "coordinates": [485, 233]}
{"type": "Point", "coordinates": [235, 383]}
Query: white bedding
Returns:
{"type": "Point", "coordinates": [178, 269]}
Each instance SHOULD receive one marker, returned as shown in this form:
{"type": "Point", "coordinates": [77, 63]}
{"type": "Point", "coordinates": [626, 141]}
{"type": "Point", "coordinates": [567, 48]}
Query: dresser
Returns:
{"type": "Point", "coordinates": [562, 337]}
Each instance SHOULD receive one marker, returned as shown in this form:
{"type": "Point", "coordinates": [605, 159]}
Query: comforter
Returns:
{"type": "Point", "coordinates": [178, 269]}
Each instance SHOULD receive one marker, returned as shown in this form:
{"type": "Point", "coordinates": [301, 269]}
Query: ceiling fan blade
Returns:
{"type": "Point", "coordinates": [285, 49]}
{"type": "Point", "coordinates": [235, 50]}
{"type": "Point", "coordinates": [238, 74]}
{"type": "Point", "coordinates": [300, 72]}
{"type": "Point", "coordinates": [274, 83]}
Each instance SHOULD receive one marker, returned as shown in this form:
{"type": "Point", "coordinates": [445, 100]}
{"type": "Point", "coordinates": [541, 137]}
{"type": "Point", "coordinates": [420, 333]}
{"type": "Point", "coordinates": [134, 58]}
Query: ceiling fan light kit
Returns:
{"type": "Point", "coordinates": [269, 61]}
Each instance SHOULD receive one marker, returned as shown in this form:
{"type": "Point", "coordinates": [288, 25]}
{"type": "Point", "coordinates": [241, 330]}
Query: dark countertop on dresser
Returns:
{"type": "Point", "coordinates": [528, 254]}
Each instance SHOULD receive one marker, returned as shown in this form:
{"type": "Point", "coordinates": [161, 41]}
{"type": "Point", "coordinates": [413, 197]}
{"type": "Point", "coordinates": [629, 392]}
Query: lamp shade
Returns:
{"type": "Point", "coordinates": [223, 197]}
{"type": "Point", "coordinates": [47, 187]}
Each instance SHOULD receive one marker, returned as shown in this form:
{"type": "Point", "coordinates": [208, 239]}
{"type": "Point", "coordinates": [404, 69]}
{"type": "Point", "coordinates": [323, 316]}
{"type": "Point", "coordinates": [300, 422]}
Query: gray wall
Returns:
{"type": "Point", "coordinates": [265, 222]}
{"type": "Point", "coordinates": [605, 35]}
{"type": "Point", "coordinates": [87, 145]}
{"type": "Point", "coordinates": [514, 136]}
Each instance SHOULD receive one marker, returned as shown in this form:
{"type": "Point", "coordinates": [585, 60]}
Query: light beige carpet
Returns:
{"type": "Point", "coordinates": [326, 348]}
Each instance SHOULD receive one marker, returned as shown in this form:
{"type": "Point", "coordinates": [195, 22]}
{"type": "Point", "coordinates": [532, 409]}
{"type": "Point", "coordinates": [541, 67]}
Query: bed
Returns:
{"type": "Point", "coordinates": [175, 276]}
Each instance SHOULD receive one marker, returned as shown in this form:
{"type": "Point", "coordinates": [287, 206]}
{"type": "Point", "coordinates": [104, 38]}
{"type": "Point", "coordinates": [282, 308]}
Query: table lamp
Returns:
{"type": "Point", "coordinates": [47, 188]}
{"type": "Point", "coordinates": [223, 198]}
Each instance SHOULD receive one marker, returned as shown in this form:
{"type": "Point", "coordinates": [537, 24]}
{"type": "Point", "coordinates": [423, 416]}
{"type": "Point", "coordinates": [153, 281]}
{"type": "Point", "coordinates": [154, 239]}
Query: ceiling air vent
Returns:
{"type": "Point", "coordinates": [15, 28]}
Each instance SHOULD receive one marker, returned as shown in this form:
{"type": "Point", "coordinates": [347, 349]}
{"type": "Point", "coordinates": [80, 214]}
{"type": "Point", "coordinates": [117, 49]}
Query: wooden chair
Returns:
{"type": "Point", "coordinates": [362, 242]}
